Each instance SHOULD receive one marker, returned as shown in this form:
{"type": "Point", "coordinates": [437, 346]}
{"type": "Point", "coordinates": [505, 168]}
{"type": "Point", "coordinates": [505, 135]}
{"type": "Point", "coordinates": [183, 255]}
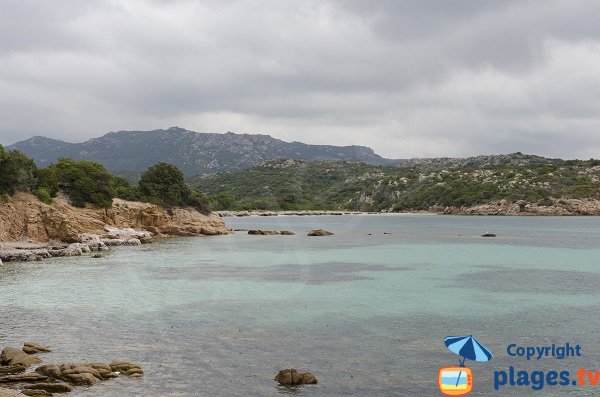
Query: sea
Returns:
{"type": "Point", "coordinates": [365, 310]}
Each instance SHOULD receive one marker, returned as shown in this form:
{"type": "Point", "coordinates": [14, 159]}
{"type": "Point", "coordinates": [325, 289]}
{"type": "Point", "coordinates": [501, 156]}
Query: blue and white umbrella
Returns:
{"type": "Point", "coordinates": [468, 348]}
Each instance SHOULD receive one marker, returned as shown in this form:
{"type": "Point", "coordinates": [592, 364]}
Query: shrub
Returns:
{"type": "Point", "coordinates": [163, 184]}
{"type": "Point", "coordinates": [43, 195]}
{"type": "Point", "coordinates": [84, 182]}
{"type": "Point", "coordinates": [17, 172]}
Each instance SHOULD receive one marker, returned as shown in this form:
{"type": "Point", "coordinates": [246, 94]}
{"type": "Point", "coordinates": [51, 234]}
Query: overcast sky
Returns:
{"type": "Point", "coordinates": [407, 78]}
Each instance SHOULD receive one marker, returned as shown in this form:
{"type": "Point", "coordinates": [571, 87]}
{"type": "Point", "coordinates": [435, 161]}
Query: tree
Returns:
{"type": "Point", "coordinates": [163, 184]}
{"type": "Point", "coordinates": [17, 172]}
{"type": "Point", "coordinates": [84, 182]}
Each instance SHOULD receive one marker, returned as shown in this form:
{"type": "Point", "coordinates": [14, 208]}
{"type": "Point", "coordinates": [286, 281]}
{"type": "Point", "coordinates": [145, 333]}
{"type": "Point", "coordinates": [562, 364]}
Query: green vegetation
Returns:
{"type": "Point", "coordinates": [17, 172]}
{"type": "Point", "coordinates": [414, 185]}
{"type": "Point", "coordinates": [163, 184]}
{"type": "Point", "coordinates": [87, 182]}
{"type": "Point", "coordinates": [82, 181]}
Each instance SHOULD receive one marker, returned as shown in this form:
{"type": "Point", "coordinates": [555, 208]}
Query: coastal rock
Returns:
{"type": "Point", "coordinates": [488, 235]}
{"type": "Point", "coordinates": [287, 233]}
{"type": "Point", "coordinates": [51, 387]}
{"type": "Point", "coordinates": [93, 242]}
{"type": "Point", "coordinates": [96, 256]}
{"type": "Point", "coordinates": [10, 393]}
{"type": "Point", "coordinates": [34, 348]}
{"type": "Point", "coordinates": [319, 232]}
{"type": "Point", "coordinates": [12, 356]}
{"type": "Point", "coordinates": [115, 242]}
{"type": "Point", "coordinates": [36, 393]}
{"type": "Point", "coordinates": [29, 377]}
{"type": "Point", "coordinates": [18, 254]}
{"type": "Point", "coordinates": [12, 369]}
{"type": "Point", "coordinates": [291, 377]}
{"type": "Point", "coordinates": [77, 374]}
{"type": "Point", "coordinates": [127, 368]}
{"type": "Point", "coordinates": [91, 373]}
{"type": "Point", "coordinates": [25, 217]}
{"type": "Point", "coordinates": [104, 370]}
{"type": "Point", "coordinates": [263, 232]}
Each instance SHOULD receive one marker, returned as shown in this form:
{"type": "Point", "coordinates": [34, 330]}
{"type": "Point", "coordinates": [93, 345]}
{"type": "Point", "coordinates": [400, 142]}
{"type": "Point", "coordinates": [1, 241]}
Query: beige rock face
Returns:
{"type": "Point", "coordinates": [24, 217]}
{"type": "Point", "coordinates": [558, 207]}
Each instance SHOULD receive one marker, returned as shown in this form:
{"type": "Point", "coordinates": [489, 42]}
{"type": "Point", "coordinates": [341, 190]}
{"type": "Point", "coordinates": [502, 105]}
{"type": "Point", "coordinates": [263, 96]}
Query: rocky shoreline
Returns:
{"type": "Point", "coordinates": [549, 207]}
{"type": "Point", "coordinates": [31, 230]}
{"type": "Point", "coordinates": [46, 380]}
{"type": "Point", "coordinates": [225, 214]}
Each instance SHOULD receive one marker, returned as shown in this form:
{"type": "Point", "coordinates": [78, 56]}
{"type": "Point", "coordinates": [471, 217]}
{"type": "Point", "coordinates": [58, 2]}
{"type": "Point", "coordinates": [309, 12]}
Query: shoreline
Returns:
{"type": "Point", "coordinates": [557, 207]}
{"type": "Point", "coordinates": [31, 230]}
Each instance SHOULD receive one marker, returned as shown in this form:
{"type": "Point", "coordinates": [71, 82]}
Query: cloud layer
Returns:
{"type": "Point", "coordinates": [407, 78]}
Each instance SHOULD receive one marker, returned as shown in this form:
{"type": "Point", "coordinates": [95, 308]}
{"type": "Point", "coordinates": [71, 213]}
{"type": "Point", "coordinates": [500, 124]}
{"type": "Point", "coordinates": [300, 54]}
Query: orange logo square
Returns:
{"type": "Point", "coordinates": [455, 381]}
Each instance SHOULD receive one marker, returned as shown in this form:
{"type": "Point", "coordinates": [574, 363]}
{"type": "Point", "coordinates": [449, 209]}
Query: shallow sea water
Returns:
{"type": "Point", "coordinates": [367, 314]}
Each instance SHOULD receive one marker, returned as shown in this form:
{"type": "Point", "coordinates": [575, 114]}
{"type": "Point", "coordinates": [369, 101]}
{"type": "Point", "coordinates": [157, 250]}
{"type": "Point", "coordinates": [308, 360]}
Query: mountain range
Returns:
{"type": "Point", "coordinates": [131, 152]}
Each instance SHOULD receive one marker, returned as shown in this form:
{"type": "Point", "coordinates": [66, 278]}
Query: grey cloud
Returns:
{"type": "Point", "coordinates": [407, 78]}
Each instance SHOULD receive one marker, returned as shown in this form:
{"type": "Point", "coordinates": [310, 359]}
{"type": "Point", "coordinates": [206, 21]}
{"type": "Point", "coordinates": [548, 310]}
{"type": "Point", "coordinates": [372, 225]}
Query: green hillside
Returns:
{"type": "Point", "coordinates": [415, 185]}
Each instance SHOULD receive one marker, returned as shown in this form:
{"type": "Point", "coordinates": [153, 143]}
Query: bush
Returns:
{"type": "Point", "coordinates": [125, 190]}
{"type": "Point", "coordinates": [163, 184]}
{"type": "Point", "coordinates": [17, 172]}
{"type": "Point", "coordinates": [43, 195]}
{"type": "Point", "coordinates": [84, 182]}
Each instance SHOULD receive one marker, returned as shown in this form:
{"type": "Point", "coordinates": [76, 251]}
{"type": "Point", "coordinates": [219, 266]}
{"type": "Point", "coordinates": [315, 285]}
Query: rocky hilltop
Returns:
{"type": "Point", "coordinates": [32, 227]}
{"type": "Point", "coordinates": [487, 184]}
{"type": "Point", "coordinates": [130, 152]}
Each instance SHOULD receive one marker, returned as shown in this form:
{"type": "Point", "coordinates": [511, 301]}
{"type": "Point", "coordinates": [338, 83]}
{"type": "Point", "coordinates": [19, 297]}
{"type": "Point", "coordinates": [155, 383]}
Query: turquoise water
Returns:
{"type": "Point", "coordinates": [367, 314]}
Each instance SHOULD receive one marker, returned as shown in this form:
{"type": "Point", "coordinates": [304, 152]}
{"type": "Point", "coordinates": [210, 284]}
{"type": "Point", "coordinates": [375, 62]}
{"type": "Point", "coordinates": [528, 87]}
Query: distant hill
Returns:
{"type": "Point", "coordinates": [417, 184]}
{"type": "Point", "coordinates": [130, 152]}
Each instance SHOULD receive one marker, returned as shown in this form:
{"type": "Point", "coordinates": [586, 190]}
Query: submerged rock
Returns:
{"type": "Point", "coordinates": [127, 368]}
{"type": "Point", "coordinates": [319, 232]}
{"type": "Point", "coordinates": [263, 232]}
{"type": "Point", "coordinates": [51, 387]}
{"type": "Point", "coordinates": [291, 377]}
{"type": "Point", "coordinates": [488, 235]}
{"type": "Point", "coordinates": [34, 348]}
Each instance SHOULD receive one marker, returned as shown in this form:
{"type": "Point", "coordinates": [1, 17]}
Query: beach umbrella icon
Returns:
{"type": "Point", "coordinates": [468, 348]}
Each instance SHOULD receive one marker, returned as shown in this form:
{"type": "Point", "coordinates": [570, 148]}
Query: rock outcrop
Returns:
{"type": "Point", "coordinates": [10, 393]}
{"type": "Point", "coordinates": [291, 377]}
{"type": "Point", "coordinates": [553, 207]}
{"type": "Point", "coordinates": [60, 229]}
{"type": "Point", "coordinates": [54, 378]}
{"type": "Point", "coordinates": [11, 356]}
{"type": "Point", "coordinates": [319, 232]}
{"type": "Point", "coordinates": [34, 348]}
{"type": "Point", "coordinates": [260, 232]}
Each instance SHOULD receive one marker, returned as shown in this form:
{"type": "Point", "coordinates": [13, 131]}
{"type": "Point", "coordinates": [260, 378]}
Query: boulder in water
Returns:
{"type": "Point", "coordinates": [291, 377]}
{"type": "Point", "coordinates": [319, 232]}
{"type": "Point", "coordinates": [34, 348]}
